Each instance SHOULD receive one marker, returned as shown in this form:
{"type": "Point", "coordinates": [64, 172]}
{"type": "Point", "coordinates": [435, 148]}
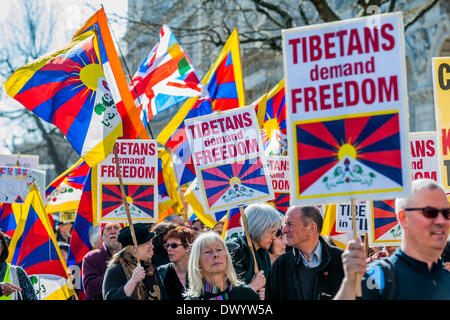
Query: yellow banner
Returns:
{"type": "Point", "coordinates": [441, 88]}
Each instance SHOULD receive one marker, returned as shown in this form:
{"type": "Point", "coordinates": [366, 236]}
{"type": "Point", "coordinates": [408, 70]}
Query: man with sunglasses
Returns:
{"type": "Point", "coordinates": [415, 270]}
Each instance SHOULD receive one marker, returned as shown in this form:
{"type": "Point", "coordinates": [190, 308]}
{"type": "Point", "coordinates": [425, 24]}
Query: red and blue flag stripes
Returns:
{"type": "Point", "coordinates": [34, 248]}
{"type": "Point", "coordinates": [384, 218]}
{"type": "Point", "coordinates": [79, 241]}
{"type": "Point", "coordinates": [222, 86]}
{"type": "Point", "coordinates": [7, 219]}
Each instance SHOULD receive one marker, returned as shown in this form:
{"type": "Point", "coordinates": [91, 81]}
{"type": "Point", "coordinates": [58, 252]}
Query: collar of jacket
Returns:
{"type": "Point", "coordinates": [325, 254]}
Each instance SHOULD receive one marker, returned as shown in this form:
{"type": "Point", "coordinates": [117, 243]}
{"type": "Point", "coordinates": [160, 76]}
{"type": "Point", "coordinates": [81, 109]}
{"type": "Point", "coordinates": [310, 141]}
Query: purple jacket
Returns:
{"type": "Point", "coordinates": [94, 267]}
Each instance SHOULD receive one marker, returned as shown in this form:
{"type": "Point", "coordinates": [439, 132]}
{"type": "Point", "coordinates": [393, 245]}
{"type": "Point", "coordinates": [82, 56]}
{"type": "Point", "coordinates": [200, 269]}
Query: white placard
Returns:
{"type": "Point", "coordinates": [138, 161]}
{"type": "Point", "coordinates": [347, 110]}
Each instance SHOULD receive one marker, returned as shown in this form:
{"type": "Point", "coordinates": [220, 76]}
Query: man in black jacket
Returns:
{"type": "Point", "coordinates": [313, 269]}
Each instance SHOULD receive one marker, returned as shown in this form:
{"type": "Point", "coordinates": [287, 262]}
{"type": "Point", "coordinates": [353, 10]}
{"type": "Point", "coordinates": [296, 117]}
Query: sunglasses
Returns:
{"type": "Point", "coordinates": [172, 245]}
{"type": "Point", "coordinates": [431, 212]}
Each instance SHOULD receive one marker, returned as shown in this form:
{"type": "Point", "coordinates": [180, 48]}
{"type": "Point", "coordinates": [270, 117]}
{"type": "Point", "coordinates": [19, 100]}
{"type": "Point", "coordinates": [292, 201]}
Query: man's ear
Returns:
{"type": "Point", "coordinates": [313, 226]}
{"type": "Point", "coordinates": [402, 217]}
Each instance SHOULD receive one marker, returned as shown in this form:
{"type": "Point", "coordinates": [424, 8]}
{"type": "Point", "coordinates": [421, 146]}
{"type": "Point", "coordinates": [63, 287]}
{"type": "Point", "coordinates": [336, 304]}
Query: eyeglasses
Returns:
{"type": "Point", "coordinates": [431, 212]}
{"type": "Point", "coordinates": [172, 245]}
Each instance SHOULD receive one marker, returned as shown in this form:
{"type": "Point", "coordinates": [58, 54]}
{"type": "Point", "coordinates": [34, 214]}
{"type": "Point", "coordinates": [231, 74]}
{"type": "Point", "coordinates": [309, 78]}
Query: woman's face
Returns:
{"type": "Point", "coordinates": [279, 245]}
{"type": "Point", "coordinates": [213, 259]}
{"type": "Point", "coordinates": [180, 253]}
{"type": "Point", "coordinates": [267, 238]}
{"type": "Point", "coordinates": [146, 251]}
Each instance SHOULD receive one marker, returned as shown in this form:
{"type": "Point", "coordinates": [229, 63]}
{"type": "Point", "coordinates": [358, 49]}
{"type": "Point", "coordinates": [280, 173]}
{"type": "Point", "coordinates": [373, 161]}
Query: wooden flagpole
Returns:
{"type": "Point", "coordinates": [247, 235]}
{"type": "Point", "coordinates": [355, 236]}
{"type": "Point", "coordinates": [125, 204]}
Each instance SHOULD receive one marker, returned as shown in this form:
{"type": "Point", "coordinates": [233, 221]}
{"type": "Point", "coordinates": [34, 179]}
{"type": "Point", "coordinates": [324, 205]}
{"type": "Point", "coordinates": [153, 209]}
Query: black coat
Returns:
{"type": "Point", "coordinates": [243, 261]}
{"type": "Point", "coordinates": [283, 282]}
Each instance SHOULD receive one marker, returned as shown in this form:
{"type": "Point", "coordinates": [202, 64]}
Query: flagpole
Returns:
{"type": "Point", "coordinates": [125, 204]}
{"type": "Point", "coordinates": [128, 72]}
{"type": "Point", "coordinates": [355, 236]}
{"type": "Point", "coordinates": [249, 240]}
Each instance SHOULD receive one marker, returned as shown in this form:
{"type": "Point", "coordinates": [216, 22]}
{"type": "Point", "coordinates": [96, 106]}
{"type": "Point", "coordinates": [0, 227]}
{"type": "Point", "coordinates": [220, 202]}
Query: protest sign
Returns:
{"type": "Point", "coordinates": [425, 155]}
{"type": "Point", "coordinates": [138, 160]}
{"type": "Point", "coordinates": [15, 182]}
{"type": "Point", "coordinates": [344, 217]}
{"type": "Point", "coordinates": [278, 167]}
{"type": "Point", "coordinates": [229, 159]}
{"type": "Point", "coordinates": [347, 112]}
{"type": "Point", "coordinates": [19, 160]}
{"type": "Point", "coordinates": [383, 227]}
{"type": "Point", "coordinates": [441, 88]}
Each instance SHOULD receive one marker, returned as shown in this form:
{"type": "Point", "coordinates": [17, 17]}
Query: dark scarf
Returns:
{"type": "Point", "coordinates": [148, 288]}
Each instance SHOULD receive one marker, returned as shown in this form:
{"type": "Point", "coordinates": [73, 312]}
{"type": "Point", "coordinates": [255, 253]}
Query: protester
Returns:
{"type": "Point", "coordinates": [95, 237]}
{"type": "Point", "coordinates": [218, 227]}
{"type": "Point", "coordinates": [64, 249]}
{"type": "Point", "coordinates": [415, 270]}
{"type": "Point", "coordinates": [14, 281]}
{"type": "Point", "coordinates": [133, 277]}
{"type": "Point", "coordinates": [312, 270]}
{"type": "Point", "coordinates": [211, 274]}
{"type": "Point", "coordinates": [175, 218]}
{"type": "Point", "coordinates": [278, 246]}
{"type": "Point", "coordinates": [160, 255]}
{"type": "Point", "coordinates": [63, 231]}
{"type": "Point", "coordinates": [178, 243]}
{"type": "Point", "coordinates": [95, 262]}
{"type": "Point", "coordinates": [376, 253]}
{"type": "Point", "coordinates": [197, 226]}
{"type": "Point", "coordinates": [263, 221]}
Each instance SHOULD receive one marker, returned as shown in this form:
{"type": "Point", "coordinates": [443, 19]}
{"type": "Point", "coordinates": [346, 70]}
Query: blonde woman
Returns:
{"type": "Point", "coordinates": [211, 273]}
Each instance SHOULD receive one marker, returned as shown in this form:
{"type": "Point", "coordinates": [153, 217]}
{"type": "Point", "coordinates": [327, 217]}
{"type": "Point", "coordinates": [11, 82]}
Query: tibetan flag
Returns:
{"type": "Point", "coordinates": [67, 88]}
{"type": "Point", "coordinates": [232, 225]}
{"type": "Point", "coordinates": [224, 90]}
{"type": "Point", "coordinates": [8, 221]}
{"type": "Point", "coordinates": [79, 241]}
{"type": "Point", "coordinates": [174, 137]}
{"type": "Point", "coordinates": [274, 129]}
{"type": "Point", "coordinates": [225, 81]}
{"type": "Point", "coordinates": [64, 193]}
{"type": "Point", "coordinates": [260, 109]}
{"type": "Point", "coordinates": [164, 200]}
{"type": "Point", "coordinates": [196, 200]}
{"type": "Point", "coordinates": [35, 249]}
{"type": "Point", "coordinates": [281, 201]}
{"type": "Point", "coordinates": [329, 228]}
{"type": "Point", "coordinates": [132, 125]}
{"type": "Point", "coordinates": [165, 78]}
{"type": "Point", "coordinates": [170, 181]}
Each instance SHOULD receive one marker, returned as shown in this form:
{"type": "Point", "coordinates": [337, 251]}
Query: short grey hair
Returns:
{"type": "Point", "coordinates": [260, 218]}
{"type": "Point", "coordinates": [416, 185]}
{"type": "Point", "coordinates": [94, 235]}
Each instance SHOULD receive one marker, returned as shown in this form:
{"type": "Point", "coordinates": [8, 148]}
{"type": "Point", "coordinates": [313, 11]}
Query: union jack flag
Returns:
{"type": "Point", "coordinates": [165, 78]}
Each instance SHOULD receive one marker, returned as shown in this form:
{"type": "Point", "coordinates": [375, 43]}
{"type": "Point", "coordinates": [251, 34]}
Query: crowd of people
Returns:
{"type": "Point", "coordinates": [281, 257]}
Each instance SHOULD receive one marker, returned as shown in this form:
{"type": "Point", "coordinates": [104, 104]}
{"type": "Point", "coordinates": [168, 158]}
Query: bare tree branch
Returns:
{"type": "Point", "coordinates": [420, 11]}
{"type": "Point", "coordinates": [324, 10]}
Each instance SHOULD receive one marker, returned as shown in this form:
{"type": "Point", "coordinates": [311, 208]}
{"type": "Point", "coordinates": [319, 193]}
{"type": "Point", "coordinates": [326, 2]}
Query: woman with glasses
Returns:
{"type": "Point", "coordinates": [211, 273]}
{"type": "Point", "coordinates": [278, 246]}
{"type": "Point", "coordinates": [174, 274]}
